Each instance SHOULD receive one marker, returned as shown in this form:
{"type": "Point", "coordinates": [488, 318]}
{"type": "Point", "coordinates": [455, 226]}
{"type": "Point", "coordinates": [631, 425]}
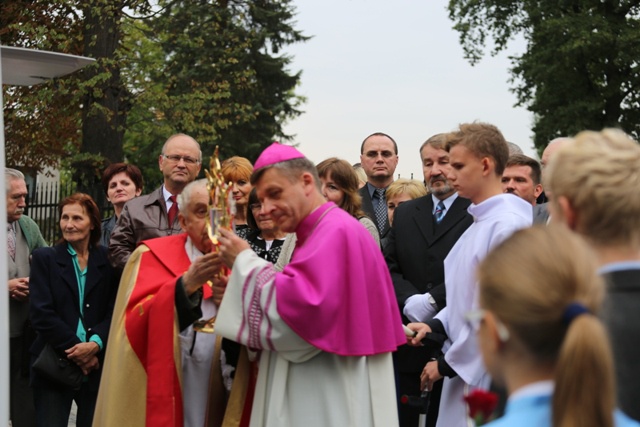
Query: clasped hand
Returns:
{"type": "Point", "coordinates": [19, 288]}
{"type": "Point", "coordinates": [84, 355]}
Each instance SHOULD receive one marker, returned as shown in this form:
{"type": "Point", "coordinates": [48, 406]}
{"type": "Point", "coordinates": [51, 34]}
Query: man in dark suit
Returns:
{"type": "Point", "coordinates": [379, 158]}
{"type": "Point", "coordinates": [424, 231]}
{"type": "Point", "coordinates": [594, 184]}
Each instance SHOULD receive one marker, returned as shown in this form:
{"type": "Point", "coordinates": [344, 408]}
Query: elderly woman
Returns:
{"type": "Point", "coordinates": [238, 170]}
{"type": "Point", "coordinates": [265, 238]}
{"type": "Point", "coordinates": [73, 289]}
{"type": "Point", "coordinates": [121, 182]}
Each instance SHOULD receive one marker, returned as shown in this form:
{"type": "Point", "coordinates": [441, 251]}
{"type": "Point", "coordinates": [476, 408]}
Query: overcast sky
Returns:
{"type": "Point", "coordinates": [395, 67]}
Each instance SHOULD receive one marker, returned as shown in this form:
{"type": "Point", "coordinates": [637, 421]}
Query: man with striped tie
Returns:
{"type": "Point", "coordinates": [424, 231]}
{"type": "Point", "coordinates": [379, 158]}
{"type": "Point", "coordinates": [478, 154]}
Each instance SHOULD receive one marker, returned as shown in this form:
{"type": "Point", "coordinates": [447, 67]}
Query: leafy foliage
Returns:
{"type": "Point", "coordinates": [41, 122]}
{"type": "Point", "coordinates": [211, 69]}
{"type": "Point", "coordinates": [580, 68]}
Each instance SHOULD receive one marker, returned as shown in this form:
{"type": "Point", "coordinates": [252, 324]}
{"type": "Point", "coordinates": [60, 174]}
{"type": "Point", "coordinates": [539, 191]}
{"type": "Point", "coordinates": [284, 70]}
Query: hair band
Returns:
{"type": "Point", "coordinates": [572, 311]}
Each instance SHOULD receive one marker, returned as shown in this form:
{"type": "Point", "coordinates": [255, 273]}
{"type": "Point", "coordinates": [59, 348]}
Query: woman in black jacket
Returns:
{"type": "Point", "coordinates": [73, 289]}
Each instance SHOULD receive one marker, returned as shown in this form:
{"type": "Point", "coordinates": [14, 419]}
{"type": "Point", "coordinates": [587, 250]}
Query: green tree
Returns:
{"type": "Point", "coordinates": [210, 69]}
{"type": "Point", "coordinates": [215, 71]}
{"type": "Point", "coordinates": [41, 122]}
{"type": "Point", "coordinates": [76, 121]}
{"type": "Point", "coordinates": [579, 70]}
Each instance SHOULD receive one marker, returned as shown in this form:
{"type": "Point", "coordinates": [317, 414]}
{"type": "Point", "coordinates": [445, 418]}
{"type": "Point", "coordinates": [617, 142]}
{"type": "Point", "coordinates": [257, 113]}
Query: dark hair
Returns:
{"type": "Point", "coordinates": [522, 160]}
{"type": "Point", "coordinates": [132, 172]}
{"type": "Point", "coordinates": [343, 175]}
{"type": "Point", "coordinates": [90, 208]}
{"type": "Point", "coordinates": [291, 169]}
{"type": "Point", "coordinates": [395, 146]}
{"type": "Point", "coordinates": [251, 220]}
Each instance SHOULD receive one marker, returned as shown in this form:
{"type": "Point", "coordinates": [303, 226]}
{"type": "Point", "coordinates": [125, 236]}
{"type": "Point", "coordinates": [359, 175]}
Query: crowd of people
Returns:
{"type": "Point", "coordinates": [335, 298]}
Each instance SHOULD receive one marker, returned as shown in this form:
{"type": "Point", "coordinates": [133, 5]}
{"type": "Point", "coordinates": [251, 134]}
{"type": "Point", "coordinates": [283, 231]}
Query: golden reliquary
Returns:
{"type": "Point", "coordinates": [222, 210]}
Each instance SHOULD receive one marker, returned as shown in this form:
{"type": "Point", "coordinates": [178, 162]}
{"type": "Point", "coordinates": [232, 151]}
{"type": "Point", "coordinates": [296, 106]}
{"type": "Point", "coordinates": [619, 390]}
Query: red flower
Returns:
{"type": "Point", "coordinates": [481, 404]}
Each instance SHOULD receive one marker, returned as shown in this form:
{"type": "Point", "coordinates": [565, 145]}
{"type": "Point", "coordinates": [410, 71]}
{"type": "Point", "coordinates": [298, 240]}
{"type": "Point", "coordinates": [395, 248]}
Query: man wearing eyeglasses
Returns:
{"type": "Point", "coordinates": [156, 214]}
{"type": "Point", "coordinates": [379, 158]}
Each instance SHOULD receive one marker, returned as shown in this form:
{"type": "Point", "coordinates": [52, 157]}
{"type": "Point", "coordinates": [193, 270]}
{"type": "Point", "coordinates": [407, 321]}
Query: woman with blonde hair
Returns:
{"type": "Point", "coordinates": [539, 333]}
{"type": "Point", "coordinates": [238, 170]}
{"type": "Point", "coordinates": [400, 191]}
{"type": "Point", "coordinates": [593, 183]}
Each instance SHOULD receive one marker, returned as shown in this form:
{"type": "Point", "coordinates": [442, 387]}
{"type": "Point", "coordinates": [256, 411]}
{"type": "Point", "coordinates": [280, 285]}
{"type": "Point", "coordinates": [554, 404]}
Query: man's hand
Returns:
{"type": "Point", "coordinates": [203, 269]}
{"type": "Point", "coordinates": [421, 330]}
{"type": "Point", "coordinates": [430, 375]}
{"type": "Point", "coordinates": [230, 246]}
{"type": "Point", "coordinates": [19, 288]}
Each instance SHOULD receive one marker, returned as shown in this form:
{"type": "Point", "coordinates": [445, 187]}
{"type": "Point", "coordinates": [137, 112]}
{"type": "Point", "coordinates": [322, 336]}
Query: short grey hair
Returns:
{"type": "Point", "coordinates": [177, 135]}
{"type": "Point", "coordinates": [11, 175]}
{"type": "Point", "coordinates": [185, 196]}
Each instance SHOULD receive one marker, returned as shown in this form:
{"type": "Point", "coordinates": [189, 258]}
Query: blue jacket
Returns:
{"type": "Point", "coordinates": [54, 309]}
{"type": "Point", "coordinates": [535, 411]}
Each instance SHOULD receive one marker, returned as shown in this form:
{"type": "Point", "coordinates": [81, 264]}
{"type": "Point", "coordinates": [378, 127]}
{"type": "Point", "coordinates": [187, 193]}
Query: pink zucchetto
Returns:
{"type": "Point", "coordinates": [276, 153]}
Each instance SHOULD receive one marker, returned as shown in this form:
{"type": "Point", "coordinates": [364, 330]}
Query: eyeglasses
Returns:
{"type": "Point", "coordinates": [176, 159]}
{"type": "Point", "coordinates": [374, 154]}
{"type": "Point", "coordinates": [475, 318]}
{"type": "Point", "coordinates": [255, 206]}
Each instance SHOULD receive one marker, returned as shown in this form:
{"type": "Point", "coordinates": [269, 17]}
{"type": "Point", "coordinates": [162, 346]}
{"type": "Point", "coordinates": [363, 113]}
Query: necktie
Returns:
{"type": "Point", "coordinates": [11, 241]}
{"type": "Point", "coordinates": [381, 209]}
{"type": "Point", "coordinates": [439, 213]}
{"type": "Point", "coordinates": [173, 210]}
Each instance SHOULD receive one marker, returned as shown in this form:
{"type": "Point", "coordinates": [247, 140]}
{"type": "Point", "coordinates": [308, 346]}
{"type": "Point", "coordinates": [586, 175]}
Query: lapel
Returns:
{"type": "Point", "coordinates": [367, 208]}
{"type": "Point", "coordinates": [94, 270]}
{"type": "Point", "coordinates": [67, 273]}
{"type": "Point", "coordinates": [367, 205]}
{"type": "Point", "coordinates": [423, 218]}
{"type": "Point", "coordinates": [457, 211]}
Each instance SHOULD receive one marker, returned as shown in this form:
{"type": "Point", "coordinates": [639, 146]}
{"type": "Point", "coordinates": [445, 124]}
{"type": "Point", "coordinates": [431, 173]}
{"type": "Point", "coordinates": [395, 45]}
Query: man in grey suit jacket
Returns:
{"type": "Point", "coordinates": [379, 158]}
{"type": "Point", "coordinates": [415, 251]}
{"type": "Point", "coordinates": [23, 238]}
{"type": "Point", "coordinates": [150, 216]}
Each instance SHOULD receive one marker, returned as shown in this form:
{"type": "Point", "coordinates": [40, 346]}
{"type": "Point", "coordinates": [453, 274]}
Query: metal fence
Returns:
{"type": "Point", "coordinates": [43, 206]}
